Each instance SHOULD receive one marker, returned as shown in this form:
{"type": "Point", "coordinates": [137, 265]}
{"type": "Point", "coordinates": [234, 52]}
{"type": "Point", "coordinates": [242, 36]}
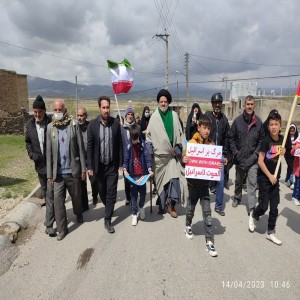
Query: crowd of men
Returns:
{"type": "Point", "coordinates": [67, 150]}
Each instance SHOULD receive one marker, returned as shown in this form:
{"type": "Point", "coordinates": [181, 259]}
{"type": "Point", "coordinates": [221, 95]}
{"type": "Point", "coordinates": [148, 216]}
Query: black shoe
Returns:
{"type": "Point", "coordinates": [108, 226]}
{"type": "Point", "coordinates": [79, 219]}
{"type": "Point", "coordinates": [154, 192]}
{"type": "Point", "coordinates": [95, 200]}
{"type": "Point", "coordinates": [235, 203]}
{"type": "Point", "coordinates": [62, 235]}
{"type": "Point", "coordinates": [127, 202]}
{"type": "Point", "coordinates": [226, 186]}
{"type": "Point", "coordinates": [50, 231]}
{"type": "Point", "coordinates": [220, 212]}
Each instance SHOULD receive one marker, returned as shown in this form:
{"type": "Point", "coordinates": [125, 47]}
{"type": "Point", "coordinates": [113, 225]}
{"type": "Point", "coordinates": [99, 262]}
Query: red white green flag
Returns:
{"type": "Point", "coordinates": [121, 76]}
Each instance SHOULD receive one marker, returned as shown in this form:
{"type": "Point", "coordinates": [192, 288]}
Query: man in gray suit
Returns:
{"type": "Point", "coordinates": [65, 164]}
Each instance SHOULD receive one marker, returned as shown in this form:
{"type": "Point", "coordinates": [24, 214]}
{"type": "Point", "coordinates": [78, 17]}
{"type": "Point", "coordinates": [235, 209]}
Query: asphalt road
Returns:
{"type": "Point", "coordinates": [155, 260]}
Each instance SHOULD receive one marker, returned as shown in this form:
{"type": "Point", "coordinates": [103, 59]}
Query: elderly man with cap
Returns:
{"type": "Point", "coordinates": [128, 122]}
{"type": "Point", "coordinates": [35, 138]}
{"type": "Point", "coordinates": [165, 137]}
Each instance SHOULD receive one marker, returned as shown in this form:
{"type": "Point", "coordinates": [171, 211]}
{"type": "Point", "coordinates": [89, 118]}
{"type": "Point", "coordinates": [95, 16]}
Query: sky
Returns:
{"type": "Point", "coordinates": [229, 39]}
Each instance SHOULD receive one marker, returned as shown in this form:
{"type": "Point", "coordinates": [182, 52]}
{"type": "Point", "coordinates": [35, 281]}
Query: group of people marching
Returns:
{"type": "Point", "coordinates": [66, 150]}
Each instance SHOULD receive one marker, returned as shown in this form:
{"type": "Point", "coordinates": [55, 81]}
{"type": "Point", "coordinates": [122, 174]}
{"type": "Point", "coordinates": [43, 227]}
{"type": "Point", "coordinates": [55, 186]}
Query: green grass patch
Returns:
{"type": "Point", "coordinates": [17, 174]}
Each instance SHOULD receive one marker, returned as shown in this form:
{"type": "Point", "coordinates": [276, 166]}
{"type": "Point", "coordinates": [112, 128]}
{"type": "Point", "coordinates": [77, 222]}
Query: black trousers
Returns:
{"type": "Point", "coordinates": [202, 193]}
{"type": "Point", "coordinates": [107, 179]}
{"type": "Point", "coordinates": [268, 193]}
{"type": "Point", "coordinates": [84, 195]}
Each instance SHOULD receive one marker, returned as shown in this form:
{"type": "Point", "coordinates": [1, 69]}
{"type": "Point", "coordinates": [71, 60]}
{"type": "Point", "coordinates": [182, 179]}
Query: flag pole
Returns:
{"type": "Point", "coordinates": [121, 121]}
{"type": "Point", "coordinates": [287, 127]}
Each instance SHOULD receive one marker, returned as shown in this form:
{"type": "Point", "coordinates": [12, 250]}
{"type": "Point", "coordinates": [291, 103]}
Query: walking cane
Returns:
{"type": "Point", "coordinates": [151, 195]}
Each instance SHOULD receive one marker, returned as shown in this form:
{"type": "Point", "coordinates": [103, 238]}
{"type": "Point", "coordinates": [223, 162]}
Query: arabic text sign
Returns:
{"type": "Point", "coordinates": [204, 161]}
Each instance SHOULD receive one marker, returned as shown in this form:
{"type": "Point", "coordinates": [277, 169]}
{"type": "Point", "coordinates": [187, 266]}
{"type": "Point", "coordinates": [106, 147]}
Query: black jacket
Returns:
{"type": "Point", "coordinates": [33, 144]}
{"type": "Point", "coordinates": [93, 144]}
{"type": "Point", "coordinates": [245, 139]}
{"type": "Point", "coordinates": [219, 131]}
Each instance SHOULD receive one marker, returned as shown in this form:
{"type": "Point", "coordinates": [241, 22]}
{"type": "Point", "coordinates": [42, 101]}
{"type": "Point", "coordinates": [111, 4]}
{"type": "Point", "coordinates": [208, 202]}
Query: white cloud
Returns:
{"type": "Point", "coordinates": [261, 32]}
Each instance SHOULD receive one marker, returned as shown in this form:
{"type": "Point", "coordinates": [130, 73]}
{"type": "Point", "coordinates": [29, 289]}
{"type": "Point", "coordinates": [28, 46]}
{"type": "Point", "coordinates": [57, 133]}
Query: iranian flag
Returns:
{"type": "Point", "coordinates": [121, 76]}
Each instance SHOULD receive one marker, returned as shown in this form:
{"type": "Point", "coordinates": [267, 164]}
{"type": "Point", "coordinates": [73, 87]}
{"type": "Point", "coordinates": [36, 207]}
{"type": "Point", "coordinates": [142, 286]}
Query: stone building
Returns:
{"type": "Point", "coordinates": [13, 101]}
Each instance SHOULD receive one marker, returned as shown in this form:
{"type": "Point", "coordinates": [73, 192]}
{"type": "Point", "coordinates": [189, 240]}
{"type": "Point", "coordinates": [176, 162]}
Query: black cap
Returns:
{"type": "Point", "coordinates": [216, 97]}
{"type": "Point", "coordinates": [165, 93]}
{"type": "Point", "coordinates": [39, 103]}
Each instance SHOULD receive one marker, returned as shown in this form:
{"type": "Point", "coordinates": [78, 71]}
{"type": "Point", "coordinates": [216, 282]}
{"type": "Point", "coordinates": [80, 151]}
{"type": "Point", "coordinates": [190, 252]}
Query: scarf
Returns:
{"type": "Point", "coordinates": [63, 122]}
{"type": "Point", "coordinates": [167, 119]}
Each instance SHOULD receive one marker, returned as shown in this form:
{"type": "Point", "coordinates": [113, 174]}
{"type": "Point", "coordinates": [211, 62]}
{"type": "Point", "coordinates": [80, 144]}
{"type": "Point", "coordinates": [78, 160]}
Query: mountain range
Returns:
{"type": "Point", "coordinates": [66, 89]}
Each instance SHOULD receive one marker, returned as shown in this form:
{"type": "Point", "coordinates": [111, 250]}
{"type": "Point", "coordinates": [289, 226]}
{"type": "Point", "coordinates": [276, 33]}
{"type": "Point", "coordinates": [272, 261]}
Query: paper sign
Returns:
{"type": "Point", "coordinates": [204, 161]}
{"type": "Point", "coordinates": [140, 181]}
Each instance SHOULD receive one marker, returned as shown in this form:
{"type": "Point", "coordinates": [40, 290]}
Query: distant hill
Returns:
{"type": "Point", "coordinates": [65, 89]}
{"type": "Point", "coordinates": [51, 88]}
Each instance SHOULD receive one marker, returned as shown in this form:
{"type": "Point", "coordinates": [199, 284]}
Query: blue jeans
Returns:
{"type": "Point", "coordinates": [220, 191]}
{"type": "Point", "coordinates": [134, 191]}
{"type": "Point", "coordinates": [296, 192]}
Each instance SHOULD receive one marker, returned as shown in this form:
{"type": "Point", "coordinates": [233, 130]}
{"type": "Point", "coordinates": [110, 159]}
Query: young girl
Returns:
{"type": "Point", "coordinates": [289, 158]}
{"type": "Point", "coordinates": [296, 171]}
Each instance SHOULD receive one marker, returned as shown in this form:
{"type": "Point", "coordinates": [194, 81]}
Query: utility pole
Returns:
{"type": "Point", "coordinates": [164, 37]}
{"type": "Point", "coordinates": [187, 88]}
{"type": "Point", "coordinates": [225, 79]}
{"type": "Point", "coordinates": [76, 93]}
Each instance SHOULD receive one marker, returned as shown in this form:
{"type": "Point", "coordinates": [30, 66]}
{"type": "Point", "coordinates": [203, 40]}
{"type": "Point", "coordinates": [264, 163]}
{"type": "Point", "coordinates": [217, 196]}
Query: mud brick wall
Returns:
{"type": "Point", "coordinates": [13, 102]}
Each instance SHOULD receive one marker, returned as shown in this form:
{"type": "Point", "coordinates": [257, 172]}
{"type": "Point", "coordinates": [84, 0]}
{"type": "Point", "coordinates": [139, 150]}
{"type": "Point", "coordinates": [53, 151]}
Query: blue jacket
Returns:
{"type": "Point", "coordinates": [144, 157]}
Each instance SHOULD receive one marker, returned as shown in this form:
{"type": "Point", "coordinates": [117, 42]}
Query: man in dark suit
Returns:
{"type": "Point", "coordinates": [104, 157]}
{"type": "Point", "coordinates": [35, 139]}
{"type": "Point", "coordinates": [66, 164]}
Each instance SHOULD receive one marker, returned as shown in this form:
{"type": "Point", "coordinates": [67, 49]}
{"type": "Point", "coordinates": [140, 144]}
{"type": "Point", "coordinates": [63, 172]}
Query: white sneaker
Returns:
{"type": "Point", "coordinates": [210, 248]}
{"type": "Point", "coordinates": [142, 213]}
{"type": "Point", "coordinates": [288, 183]}
{"type": "Point", "coordinates": [251, 222]}
{"type": "Point", "coordinates": [134, 220]}
{"type": "Point", "coordinates": [292, 186]}
{"type": "Point", "coordinates": [188, 232]}
{"type": "Point", "coordinates": [271, 237]}
{"type": "Point", "coordinates": [295, 201]}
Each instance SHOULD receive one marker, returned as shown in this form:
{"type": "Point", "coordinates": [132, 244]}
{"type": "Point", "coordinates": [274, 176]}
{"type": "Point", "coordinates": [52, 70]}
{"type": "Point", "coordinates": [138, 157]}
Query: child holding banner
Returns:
{"type": "Point", "coordinates": [198, 188]}
{"type": "Point", "coordinates": [296, 170]}
{"type": "Point", "coordinates": [268, 184]}
{"type": "Point", "coordinates": [137, 163]}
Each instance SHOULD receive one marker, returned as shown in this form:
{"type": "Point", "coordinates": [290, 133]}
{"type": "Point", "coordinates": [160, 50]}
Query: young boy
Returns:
{"type": "Point", "coordinates": [137, 162]}
{"type": "Point", "coordinates": [199, 188]}
{"type": "Point", "coordinates": [268, 184]}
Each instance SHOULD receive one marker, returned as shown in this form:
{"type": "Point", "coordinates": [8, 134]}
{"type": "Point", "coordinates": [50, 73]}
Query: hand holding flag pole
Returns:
{"type": "Point", "coordinates": [122, 78]}
{"type": "Point", "coordinates": [287, 127]}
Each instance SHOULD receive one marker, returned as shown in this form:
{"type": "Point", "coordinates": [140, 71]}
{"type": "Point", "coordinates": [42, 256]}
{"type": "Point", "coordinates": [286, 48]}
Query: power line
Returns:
{"type": "Point", "coordinates": [245, 63]}
{"type": "Point", "coordinates": [53, 55]}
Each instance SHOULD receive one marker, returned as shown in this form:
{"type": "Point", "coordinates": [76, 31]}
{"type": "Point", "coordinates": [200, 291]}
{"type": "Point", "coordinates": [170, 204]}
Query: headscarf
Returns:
{"type": "Point", "coordinates": [144, 121]}
{"type": "Point", "coordinates": [190, 128]}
